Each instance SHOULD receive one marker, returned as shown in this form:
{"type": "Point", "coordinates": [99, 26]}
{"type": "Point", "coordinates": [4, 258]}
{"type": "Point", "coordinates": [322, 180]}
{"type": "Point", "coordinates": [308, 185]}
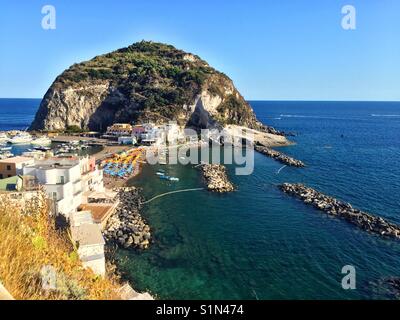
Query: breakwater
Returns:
{"type": "Point", "coordinates": [126, 227]}
{"type": "Point", "coordinates": [216, 178]}
{"type": "Point", "coordinates": [279, 156]}
{"type": "Point", "coordinates": [343, 210]}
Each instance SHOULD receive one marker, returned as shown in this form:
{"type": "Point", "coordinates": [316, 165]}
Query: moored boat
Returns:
{"type": "Point", "coordinates": [6, 155]}
{"type": "Point", "coordinates": [42, 141]}
{"type": "Point", "coordinates": [21, 138]}
{"type": "Point", "coordinates": [42, 148]}
{"type": "Point", "coordinates": [3, 137]}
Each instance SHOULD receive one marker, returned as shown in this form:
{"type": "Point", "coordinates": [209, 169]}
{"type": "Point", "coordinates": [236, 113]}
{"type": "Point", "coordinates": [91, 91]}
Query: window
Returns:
{"type": "Point", "coordinates": [61, 180]}
{"type": "Point", "coordinates": [1, 176]}
{"type": "Point", "coordinates": [9, 168]}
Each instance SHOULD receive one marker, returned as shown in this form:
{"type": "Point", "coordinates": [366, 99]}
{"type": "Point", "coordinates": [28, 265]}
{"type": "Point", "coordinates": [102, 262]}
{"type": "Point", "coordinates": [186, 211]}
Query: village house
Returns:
{"type": "Point", "coordinates": [152, 135]}
{"type": "Point", "coordinates": [18, 183]}
{"type": "Point", "coordinates": [101, 204]}
{"type": "Point", "coordinates": [173, 133]}
{"type": "Point", "coordinates": [138, 130]}
{"type": "Point", "coordinates": [61, 179]}
{"type": "Point", "coordinates": [19, 189]}
{"type": "Point", "coordinates": [13, 166]}
{"type": "Point", "coordinates": [91, 175]}
{"type": "Point", "coordinates": [127, 140]}
{"type": "Point", "coordinates": [119, 129]}
{"type": "Point", "coordinates": [89, 240]}
{"type": "Point", "coordinates": [66, 179]}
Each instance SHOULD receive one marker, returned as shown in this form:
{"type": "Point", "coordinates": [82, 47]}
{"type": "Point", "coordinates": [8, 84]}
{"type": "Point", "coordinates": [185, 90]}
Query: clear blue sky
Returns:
{"type": "Point", "coordinates": [273, 50]}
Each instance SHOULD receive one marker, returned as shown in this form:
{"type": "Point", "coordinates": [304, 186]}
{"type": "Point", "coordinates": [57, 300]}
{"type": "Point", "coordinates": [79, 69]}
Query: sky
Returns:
{"type": "Point", "coordinates": [271, 49]}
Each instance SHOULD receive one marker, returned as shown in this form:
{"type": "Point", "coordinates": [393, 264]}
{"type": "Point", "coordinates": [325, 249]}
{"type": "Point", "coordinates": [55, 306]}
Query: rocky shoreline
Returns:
{"type": "Point", "coordinates": [217, 178]}
{"type": "Point", "coordinates": [289, 161]}
{"type": "Point", "coordinates": [126, 227]}
{"type": "Point", "coordinates": [272, 130]}
{"type": "Point", "coordinates": [344, 210]}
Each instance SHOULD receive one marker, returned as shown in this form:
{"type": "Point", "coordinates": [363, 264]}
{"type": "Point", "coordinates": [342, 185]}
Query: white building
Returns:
{"type": "Point", "coordinates": [172, 132]}
{"type": "Point", "coordinates": [89, 240]}
{"type": "Point", "coordinates": [91, 175]}
{"type": "Point", "coordinates": [62, 182]}
{"type": "Point", "coordinates": [127, 140]}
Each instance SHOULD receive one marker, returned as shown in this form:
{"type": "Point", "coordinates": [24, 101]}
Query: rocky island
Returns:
{"type": "Point", "coordinates": [145, 82]}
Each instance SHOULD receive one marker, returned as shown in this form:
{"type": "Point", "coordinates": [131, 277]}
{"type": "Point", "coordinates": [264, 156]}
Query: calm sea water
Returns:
{"type": "Point", "coordinates": [17, 114]}
{"type": "Point", "coordinates": [258, 243]}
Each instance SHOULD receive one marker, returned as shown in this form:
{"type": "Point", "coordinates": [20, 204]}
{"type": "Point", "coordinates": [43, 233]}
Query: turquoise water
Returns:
{"type": "Point", "coordinates": [258, 243]}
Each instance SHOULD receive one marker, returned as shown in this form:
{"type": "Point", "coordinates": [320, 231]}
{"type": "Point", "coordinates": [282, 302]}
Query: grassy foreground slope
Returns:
{"type": "Point", "coordinates": [29, 242]}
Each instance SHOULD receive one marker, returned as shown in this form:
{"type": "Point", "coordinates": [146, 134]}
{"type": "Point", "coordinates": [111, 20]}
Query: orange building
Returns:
{"type": "Point", "coordinates": [13, 166]}
{"type": "Point", "coordinates": [120, 129]}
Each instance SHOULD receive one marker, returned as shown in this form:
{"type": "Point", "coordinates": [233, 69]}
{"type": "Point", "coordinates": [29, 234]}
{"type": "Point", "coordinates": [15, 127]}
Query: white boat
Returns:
{"type": "Point", "coordinates": [3, 137]}
{"type": "Point", "coordinates": [5, 155]}
{"type": "Point", "coordinates": [41, 148]}
{"type": "Point", "coordinates": [5, 148]}
{"type": "Point", "coordinates": [21, 138]}
{"type": "Point", "coordinates": [42, 141]}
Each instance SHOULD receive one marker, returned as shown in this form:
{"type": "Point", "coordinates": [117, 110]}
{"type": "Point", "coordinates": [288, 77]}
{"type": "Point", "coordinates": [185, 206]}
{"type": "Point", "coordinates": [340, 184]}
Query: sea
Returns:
{"type": "Point", "coordinates": [257, 242]}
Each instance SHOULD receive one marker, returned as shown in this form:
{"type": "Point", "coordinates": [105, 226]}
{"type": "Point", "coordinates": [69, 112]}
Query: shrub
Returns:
{"type": "Point", "coordinates": [74, 129]}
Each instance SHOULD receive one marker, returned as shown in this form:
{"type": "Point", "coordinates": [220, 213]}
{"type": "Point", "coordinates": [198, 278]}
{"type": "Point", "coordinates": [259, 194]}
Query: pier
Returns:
{"type": "Point", "coordinates": [217, 178]}
{"type": "Point", "coordinates": [334, 207]}
{"type": "Point", "coordinates": [283, 158]}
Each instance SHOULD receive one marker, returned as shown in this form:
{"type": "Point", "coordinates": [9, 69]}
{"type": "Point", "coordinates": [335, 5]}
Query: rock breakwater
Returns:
{"type": "Point", "coordinates": [279, 156]}
{"type": "Point", "coordinates": [343, 210]}
{"type": "Point", "coordinates": [126, 227]}
{"type": "Point", "coordinates": [216, 178]}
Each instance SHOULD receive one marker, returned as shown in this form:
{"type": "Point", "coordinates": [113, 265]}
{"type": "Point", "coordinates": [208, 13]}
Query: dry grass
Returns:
{"type": "Point", "coordinates": [28, 242]}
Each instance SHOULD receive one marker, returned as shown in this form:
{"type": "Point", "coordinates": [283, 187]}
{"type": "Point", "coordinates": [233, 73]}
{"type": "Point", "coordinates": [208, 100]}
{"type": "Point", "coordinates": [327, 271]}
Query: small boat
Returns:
{"type": "Point", "coordinates": [164, 177]}
{"type": "Point", "coordinates": [3, 137]}
{"type": "Point", "coordinates": [42, 141]}
{"type": "Point", "coordinates": [5, 148]}
{"type": "Point", "coordinates": [6, 155]}
{"type": "Point", "coordinates": [21, 138]}
{"type": "Point", "coordinates": [160, 173]}
{"type": "Point", "coordinates": [42, 148]}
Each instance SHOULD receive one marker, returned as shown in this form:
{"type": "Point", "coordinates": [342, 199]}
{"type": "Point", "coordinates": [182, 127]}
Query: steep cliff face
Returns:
{"type": "Point", "coordinates": [144, 82]}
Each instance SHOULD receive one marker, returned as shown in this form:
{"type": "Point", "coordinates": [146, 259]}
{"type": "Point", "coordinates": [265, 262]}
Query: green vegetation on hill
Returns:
{"type": "Point", "coordinates": [152, 74]}
{"type": "Point", "coordinates": [145, 81]}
